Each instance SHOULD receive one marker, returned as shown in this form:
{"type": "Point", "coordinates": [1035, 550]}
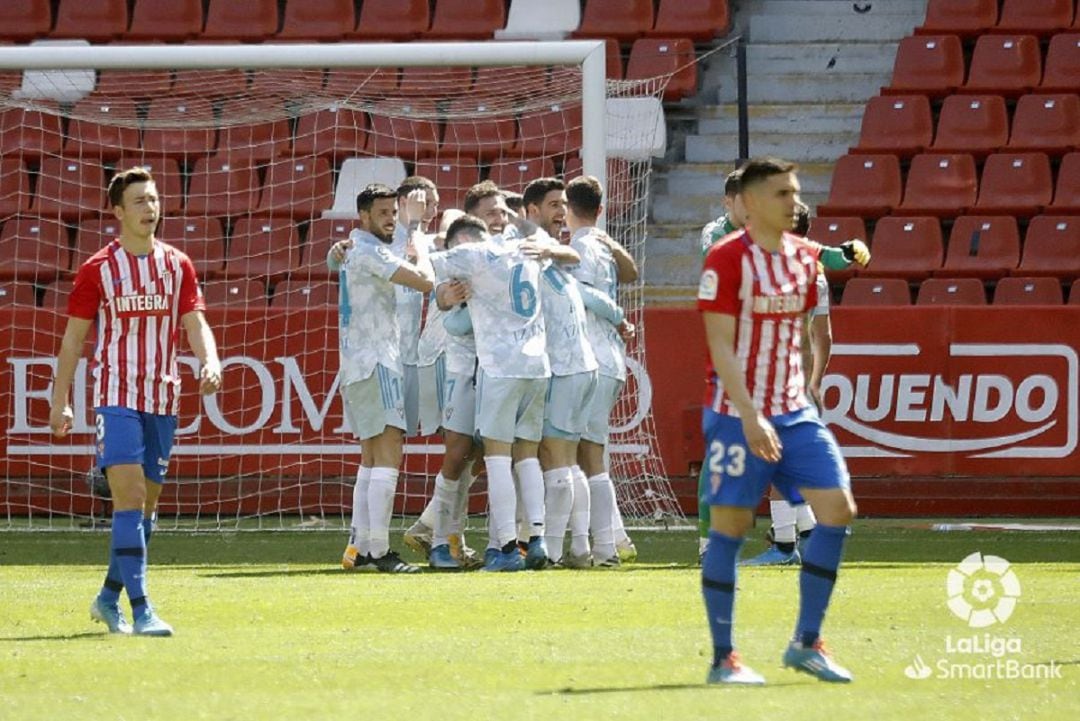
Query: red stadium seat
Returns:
{"type": "Point", "coordinates": [16, 294]}
{"type": "Point", "coordinates": [1047, 123]}
{"type": "Point", "coordinates": [26, 20]}
{"type": "Point", "coordinates": [616, 67]}
{"type": "Point", "coordinates": [876, 291]}
{"type": "Point", "coordinates": [56, 295]}
{"type": "Point", "coordinates": [833, 232]}
{"type": "Point", "coordinates": [975, 124]}
{"type": "Point", "coordinates": [392, 20]}
{"type": "Point", "coordinates": [435, 82]}
{"type": "Point", "coordinates": [249, 21]}
{"type": "Point", "coordinates": [297, 188]}
{"type": "Point", "coordinates": [1028, 291]}
{"type": "Point", "coordinates": [14, 187]}
{"type": "Point", "coordinates": [928, 64]}
{"type": "Point", "coordinates": [208, 84]}
{"type": "Point", "coordinates": [93, 235]}
{"type": "Point", "coordinates": [323, 20]}
{"type": "Point", "coordinates": [452, 179]}
{"type": "Point", "coordinates": [271, 84]}
{"type": "Point", "coordinates": [982, 246]}
{"type": "Point", "coordinates": [334, 132]}
{"type": "Point", "coordinates": [244, 292]}
{"type": "Point", "coordinates": [624, 20]}
{"type": "Point", "coordinates": [98, 21]}
{"type": "Point", "coordinates": [1052, 247]}
{"type": "Point", "coordinates": [674, 57]}
{"type": "Point", "coordinates": [10, 80]}
{"type": "Point", "coordinates": [866, 185]}
{"type": "Point", "coordinates": [263, 247]}
{"type": "Point", "coordinates": [322, 233]}
{"type": "Point", "coordinates": [1015, 184]}
{"type": "Point", "coordinates": [362, 82]}
{"type": "Point", "coordinates": [900, 124]}
{"type": "Point", "coordinates": [572, 168]}
{"type": "Point", "coordinates": [166, 20]}
{"type": "Point", "coordinates": [222, 188]}
{"type": "Point", "coordinates": [966, 18]}
{"type": "Point", "coordinates": [136, 84]}
{"type": "Point", "coordinates": [255, 142]}
{"type": "Point", "coordinates": [1009, 65]}
{"type": "Point", "coordinates": [1061, 73]}
{"type": "Point", "coordinates": [905, 248]}
{"type": "Point", "coordinates": [167, 178]}
{"type": "Point", "coordinates": [514, 175]}
{"type": "Point", "coordinates": [556, 131]}
{"type": "Point", "coordinates": [33, 249]}
{"type": "Point", "coordinates": [472, 134]}
{"type": "Point", "coordinates": [202, 238]}
{"type": "Point", "coordinates": [407, 129]}
{"type": "Point", "coordinates": [466, 19]}
{"type": "Point", "coordinates": [169, 130]}
{"type": "Point", "coordinates": [951, 291]}
{"type": "Point", "coordinates": [101, 128]}
{"type": "Point", "coordinates": [29, 133]}
{"type": "Point", "coordinates": [69, 189]}
{"type": "Point", "coordinates": [943, 185]}
{"type": "Point", "coordinates": [300, 294]}
{"type": "Point", "coordinates": [1074, 293]}
{"type": "Point", "coordinates": [698, 20]}
{"type": "Point", "coordinates": [1044, 17]}
{"type": "Point", "coordinates": [1067, 194]}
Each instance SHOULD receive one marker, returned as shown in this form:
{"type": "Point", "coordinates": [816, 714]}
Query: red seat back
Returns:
{"type": "Point", "coordinates": [982, 246]}
{"type": "Point", "coordinates": [951, 291]}
{"type": "Point", "coordinates": [876, 291]}
{"type": "Point", "coordinates": [900, 124]}
{"type": "Point", "coordinates": [1028, 291]}
{"type": "Point", "coordinates": [905, 248]}
{"type": "Point", "coordinates": [865, 185]}
{"type": "Point", "coordinates": [975, 124]}
{"type": "Point", "coordinates": [940, 184]}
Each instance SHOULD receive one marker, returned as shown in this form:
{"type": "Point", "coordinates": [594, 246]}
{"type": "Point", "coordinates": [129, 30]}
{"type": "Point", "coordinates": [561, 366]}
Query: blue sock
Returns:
{"type": "Point", "coordinates": [718, 588]}
{"type": "Point", "coordinates": [129, 551]}
{"type": "Point", "coordinates": [114, 583]}
{"type": "Point", "coordinates": [817, 578]}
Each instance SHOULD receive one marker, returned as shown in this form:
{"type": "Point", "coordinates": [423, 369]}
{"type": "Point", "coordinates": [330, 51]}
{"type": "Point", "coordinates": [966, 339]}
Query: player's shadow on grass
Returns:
{"type": "Point", "coordinates": [57, 637]}
{"type": "Point", "coordinates": [281, 573]}
{"type": "Point", "coordinates": [646, 688]}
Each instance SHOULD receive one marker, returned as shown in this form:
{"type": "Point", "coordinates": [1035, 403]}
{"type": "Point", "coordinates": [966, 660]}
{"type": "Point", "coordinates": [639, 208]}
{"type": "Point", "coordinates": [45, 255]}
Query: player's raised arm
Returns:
{"type": "Point", "coordinates": [60, 415]}
{"type": "Point", "coordinates": [625, 268]}
{"type": "Point", "coordinates": [418, 275]}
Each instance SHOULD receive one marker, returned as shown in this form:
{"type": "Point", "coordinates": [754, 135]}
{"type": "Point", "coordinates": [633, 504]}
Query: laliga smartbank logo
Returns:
{"type": "Point", "coordinates": [998, 400]}
{"type": "Point", "coordinates": [982, 591]}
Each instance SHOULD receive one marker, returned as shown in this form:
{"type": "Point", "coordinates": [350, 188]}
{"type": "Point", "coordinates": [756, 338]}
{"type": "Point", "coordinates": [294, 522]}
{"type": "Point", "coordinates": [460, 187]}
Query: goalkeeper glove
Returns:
{"type": "Point", "coordinates": [855, 251]}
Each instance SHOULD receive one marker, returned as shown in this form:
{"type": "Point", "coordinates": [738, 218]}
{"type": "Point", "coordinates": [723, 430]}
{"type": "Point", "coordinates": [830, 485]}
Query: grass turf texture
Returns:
{"type": "Point", "coordinates": [269, 627]}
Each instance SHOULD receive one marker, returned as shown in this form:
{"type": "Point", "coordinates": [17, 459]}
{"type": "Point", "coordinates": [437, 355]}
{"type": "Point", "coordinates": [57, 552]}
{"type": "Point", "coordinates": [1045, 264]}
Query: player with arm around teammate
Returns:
{"type": "Point", "coordinates": [139, 292]}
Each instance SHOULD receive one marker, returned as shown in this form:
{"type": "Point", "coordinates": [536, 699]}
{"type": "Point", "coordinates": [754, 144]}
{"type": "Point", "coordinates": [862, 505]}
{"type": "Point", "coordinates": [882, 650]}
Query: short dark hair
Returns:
{"type": "Point", "coordinates": [123, 179]}
{"type": "Point", "coordinates": [733, 184]}
{"type": "Point", "coordinates": [761, 169]}
{"type": "Point", "coordinates": [414, 182]}
{"type": "Point", "coordinates": [584, 196]}
{"type": "Point", "coordinates": [537, 190]}
{"type": "Point", "coordinates": [371, 193]}
{"type": "Point", "coordinates": [802, 221]}
{"type": "Point", "coordinates": [466, 224]}
{"type": "Point", "coordinates": [514, 201]}
{"type": "Point", "coordinates": [483, 189]}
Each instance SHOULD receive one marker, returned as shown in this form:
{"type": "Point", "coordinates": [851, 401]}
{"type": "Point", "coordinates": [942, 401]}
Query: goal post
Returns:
{"type": "Point", "coordinates": [249, 145]}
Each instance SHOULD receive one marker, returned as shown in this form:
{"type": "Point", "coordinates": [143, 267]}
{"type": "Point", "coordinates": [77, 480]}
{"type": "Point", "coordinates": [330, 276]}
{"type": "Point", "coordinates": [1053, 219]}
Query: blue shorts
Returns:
{"type": "Point", "coordinates": [810, 459]}
{"type": "Point", "coordinates": [128, 436]}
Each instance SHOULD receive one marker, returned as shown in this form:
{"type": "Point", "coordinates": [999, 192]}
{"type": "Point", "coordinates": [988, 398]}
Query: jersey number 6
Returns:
{"type": "Point", "coordinates": [522, 293]}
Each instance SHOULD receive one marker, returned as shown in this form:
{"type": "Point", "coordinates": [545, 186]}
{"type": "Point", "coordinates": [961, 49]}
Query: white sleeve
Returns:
{"type": "Point", "coordinates": [459, 262]}
{"type": "Point", "coordinates": [374, 260]}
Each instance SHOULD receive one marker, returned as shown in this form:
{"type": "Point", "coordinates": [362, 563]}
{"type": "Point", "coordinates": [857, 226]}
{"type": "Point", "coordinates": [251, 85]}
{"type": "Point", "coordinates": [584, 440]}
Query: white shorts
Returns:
{"type": "Point", "coordinates": [374, 403]}
{"type": "Point", "coordinates": [431, 381]}
{"type": "Point", "coordinates": [459, 404]}
{"type": "Point", "coordinates": [411, 388]}
{"type": "Point", "coordinates": [569, 399]}
{"type": "Point", "coordinates": [598, 426]}
{"type": "Point", "coordinates": [510, 408]}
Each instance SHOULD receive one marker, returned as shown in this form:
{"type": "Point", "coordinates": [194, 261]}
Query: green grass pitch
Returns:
{"type": "Point", "coordinates": [269, 627]}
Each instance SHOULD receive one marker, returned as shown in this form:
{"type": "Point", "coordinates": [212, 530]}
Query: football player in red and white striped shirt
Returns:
{"type": "Point", "coordinates": [138, 292]}
{"type": "Point", "coordinates": [756, 288]}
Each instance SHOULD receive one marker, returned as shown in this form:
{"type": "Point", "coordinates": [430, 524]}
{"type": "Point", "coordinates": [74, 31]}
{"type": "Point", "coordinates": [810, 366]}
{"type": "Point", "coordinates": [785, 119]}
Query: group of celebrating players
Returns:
{"type": "Point", "coordinates": [517, 357]}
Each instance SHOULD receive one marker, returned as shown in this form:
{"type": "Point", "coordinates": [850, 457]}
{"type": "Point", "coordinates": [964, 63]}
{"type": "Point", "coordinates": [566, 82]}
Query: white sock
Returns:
{"type": "Point", "coordinates": [502, 497]}
{"type": "Point", "coordinates": [360, 531]}
{"type": "Point", "coordinates": [427, 516]}
{"type": "Point", "coordinates": [461, 505]}
{"type": "Point", "coordinates": [558, 504]}
{"type": "Point", "coordinates": [617, 526]}
{"type": "Point", "coordinates": [493, 538]}
{"type": "Point", "coordinates": [783, 521]}
{"type": "Point", "coordinates": [804, 518]}
{"type": "Point", "coordinates": [522, 519]}
{"type": "Point", "coordinates": [600, 513]}
{"type": "Point", "coordinates": [445, 501]}
{"type": "Point", "coordinates": [579, 513]}
{"type": "Point", "coordinates": [381, 492]}
{"type": "Point", "coordinates": [532, 494]}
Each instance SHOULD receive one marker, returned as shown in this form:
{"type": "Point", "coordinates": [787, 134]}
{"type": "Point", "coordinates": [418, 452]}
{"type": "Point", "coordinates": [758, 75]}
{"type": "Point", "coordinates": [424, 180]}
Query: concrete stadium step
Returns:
{"type": "Point", "coordinates": [782, 117]}
{"type": "Point", "coordinates": [815, 147]}
{"type": "Point", "coordinates": [829, 21]}
{"type": "Point", "coordinates": [882, 9]}
{"type": "Point", "coordinates": [833, 57]}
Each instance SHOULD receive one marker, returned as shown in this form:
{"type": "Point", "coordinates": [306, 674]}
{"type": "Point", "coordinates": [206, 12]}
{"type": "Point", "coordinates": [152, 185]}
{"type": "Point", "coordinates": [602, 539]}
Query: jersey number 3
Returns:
{"type": "Point", "coordinates": [522, 293]}
{"type": "Point", "coordinates": [730, 462]}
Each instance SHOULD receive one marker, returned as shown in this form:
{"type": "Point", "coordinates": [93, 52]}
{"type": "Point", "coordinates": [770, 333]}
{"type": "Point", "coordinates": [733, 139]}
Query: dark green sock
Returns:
{"type": "Point", "coordinates": [704, 522]}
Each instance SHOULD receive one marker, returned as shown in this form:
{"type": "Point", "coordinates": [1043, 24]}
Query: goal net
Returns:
{"type": "Point", "coordinates": [258, 170]}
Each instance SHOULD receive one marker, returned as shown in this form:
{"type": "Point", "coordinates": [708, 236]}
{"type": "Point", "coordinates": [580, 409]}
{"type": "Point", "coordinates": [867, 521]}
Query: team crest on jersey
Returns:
{"type": "Point", "coordinates": [707, 288]}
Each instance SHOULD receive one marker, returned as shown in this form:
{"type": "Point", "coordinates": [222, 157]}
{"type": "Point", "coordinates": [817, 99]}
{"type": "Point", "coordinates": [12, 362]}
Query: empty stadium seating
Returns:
{"type": "Point", "coordinates": [1061, 72]}
{"type": "Point", "coordinates": [102, 129]}
{"type": "Point", "coordinates": [69, 189]}
{"type": "Point", "coordinates": [549, 133]}
{"type": "Point", "coordinates": [866, 185]}
{"type": "Point", "coordinates": [624, 20]}
{"type": "Point", "coordinates": [434, 83]}
{"type": "Point", "coordinates": [466, 19]}
{"type": "Point", "coordinates": [1044, 17]}
{"type": "Point", "coordinates": [333, 132]}
{"type": "Point", "coordinates": [29, 133]}
{"type": "Point", "coordinates": [928, 64]}
{"type": "Point", "coordinates": [392, 20]}
{"type": "Point", "coordinates": [222, 188]}
{"type": "Point", "coordinates": [14, 187]}
{"type": "Point", "coordinates": [322, 20]}
{"type": "Point", "coordinates": [55, 296]}
{"type": "Point", "coordinates": [1067, 192]}
{"type": "Point", "coordinates": [17, 294]}
{"type": "Point", "coordinates": [255, 142]}
{"type": "Point", "coordinates": [406, 129]}
{"type": "Point", "coordinates": [96, 20]}
{"type": "Point", "coordinates": [92, 235]}
{"type": "Point", "coordinates": [698, 20]}
{"type": "Point", "coordinates": [1051, 247]}
{"type": "Point", "coordinates": [26, 20]}
{"type": "Point", "coordinates": [166, 20]}
{"type": "Point", "coordinates": [142, 85]}
{"type": "Point", "coordinates": [975, 124]}
{"type": "Point", "coordinates": [1047, 123]}
{"type": "Point", "coordinates": [876, 291]}
{"type": "Point", "coordinates": [239, 291]}
{"type": "Point", "coordinates": [452, 178]}
{"type": "Point", "coordinates": [982, 247]}
{"type": "Point", "coordinates": [905, 247]}
{"type": "Point", "coordinates": [674, 57]}
{"type": "Point", "coordinates": [369, 82]}
{"type": "Point", "coordinates": [471, 134]}
{"type": "Point", "coordinates": [1015, 184]}
{"type": "Point", "coordinates": [162, 137]}
{"type": "Point", "coordinates": [951, 291]}
{"type": "Point", "coordinates": [1074, 293]}
{"type": "Point", "coordinates": [298, 294]}
{"type": "Point", "coordinates": [942, 185]}
{"type": "Point", "coordinates": [201, 237]}
{"type": "Point", "coordinates": [1028, 291]}
{"type": "Point", "coordinates": [511, 174]}
{"type": "Point", "coordinates": [33, 249]}
{"type": "Point", "coordinates": [297, 187]}
{"type": "Point", "coordinates": [966, 18]}
{"type": "Point", "coordinates": [248, 21]}
{"type": "Point", "coordinates": [321, 234]}
{"type": "Point", "coordinates": [1009, 65]}
{"type": "Point", "coordinates": [263, 247]}
{"type": "Point", "coordinates": [901, 124]}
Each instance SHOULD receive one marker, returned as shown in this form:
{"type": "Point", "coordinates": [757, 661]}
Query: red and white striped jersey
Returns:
{"type": "Point", "coordinates": [769, 295]}
{"type": "Point", "coordinates": [137, 301]}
